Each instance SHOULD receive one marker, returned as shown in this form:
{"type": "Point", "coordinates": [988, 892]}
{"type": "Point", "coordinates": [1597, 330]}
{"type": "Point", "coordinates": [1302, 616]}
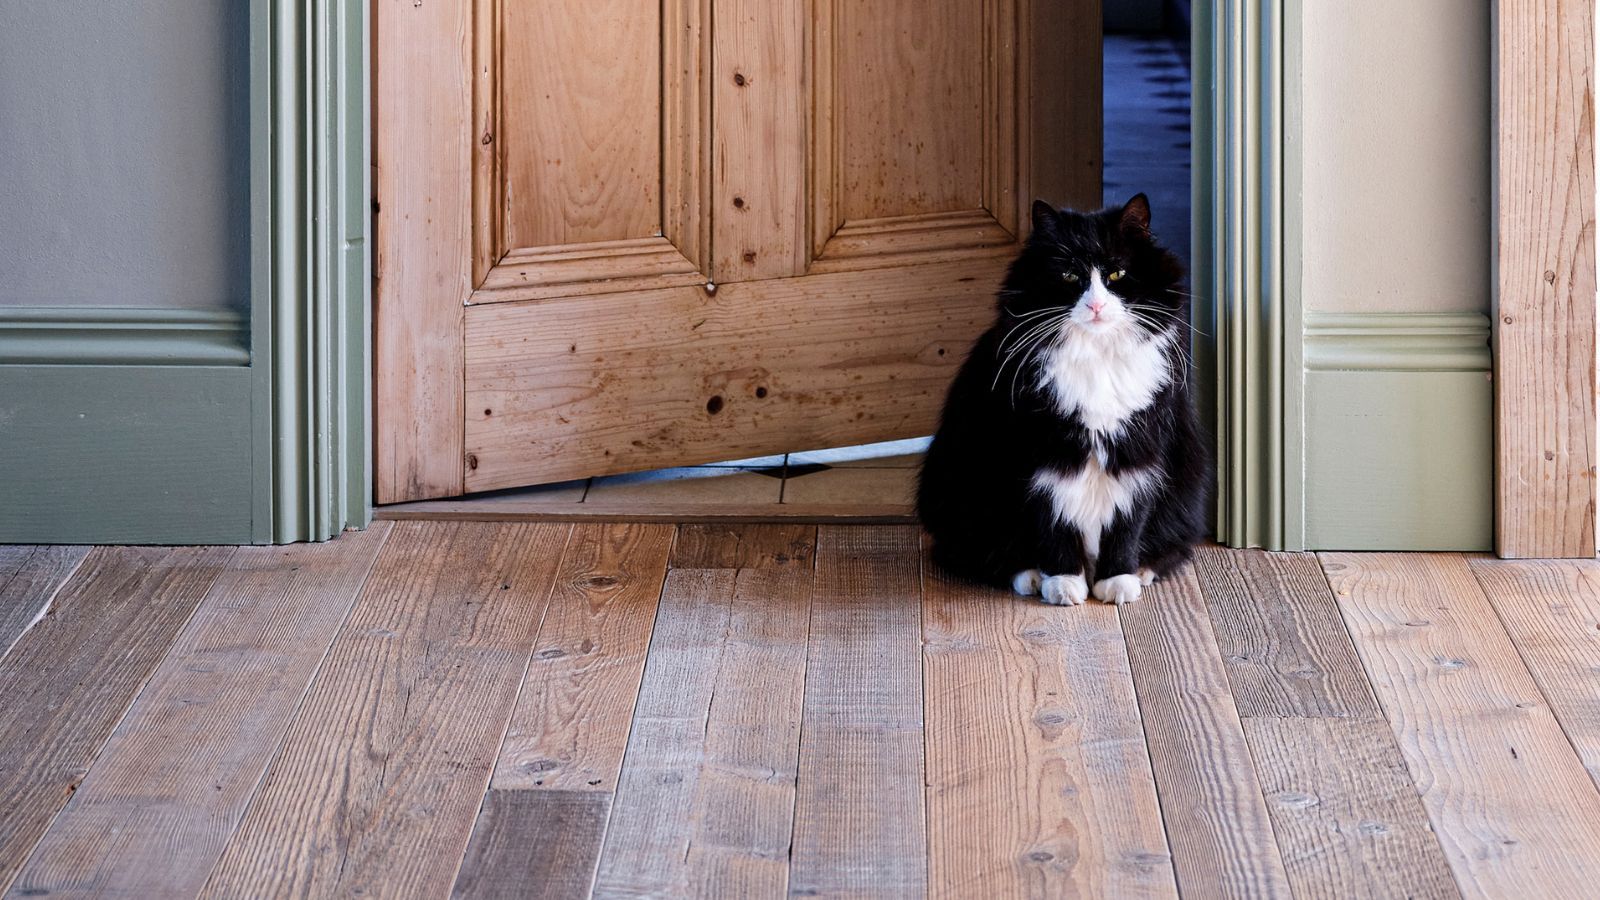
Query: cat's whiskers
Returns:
{"type": "Point", "coordinates": [1037, 344]}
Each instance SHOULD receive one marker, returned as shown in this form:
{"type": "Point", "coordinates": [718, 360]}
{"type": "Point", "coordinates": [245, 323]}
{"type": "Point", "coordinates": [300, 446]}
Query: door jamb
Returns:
{"type": "Point", "coordinates": [1544, 274]}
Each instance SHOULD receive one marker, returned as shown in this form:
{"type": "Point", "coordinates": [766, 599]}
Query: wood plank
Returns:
{"type": "Point", "coordinates": [1220, 831]}
{"type": "Point", "coordinates": [1545, 250]}
{"type": "Point", "coordinates": [534, 844]}
{"type": "Point", "coordinates": [1513, 807]}
{"type": "Point", "coordinates": [707, 798]}
{"type": "Point", "coordinates": [621, 382]}
{"type": "Point", "coordinates": [570, 726]}
{"type": "Point", "coordinates": [760, 100]}
{"type": "Point", "coordinates": [382, 772]}
{"type": "Point", "coordinates": [1552, 612]}
{"type": "Point", "coordinates": [1039, 784]}
{"type": "Point", "coordinates": [1279, 630]}
{"type": "Point", "coordinates": [859, 826]}
{"type": "Point", "coordinates": [71, 677]}
{"type": "Point", "coordinates": [1345, 811]}
{"type": "Point", "coordinates": [728, 546]}
{"type": "Point", "coordinates": [423, 145]}
{"type": "Point", "coordinates": [29, 577]}
{"type": "Point", "coordinates": [175, 776]}
{"type": "Point", "coordinates": [469, 510]}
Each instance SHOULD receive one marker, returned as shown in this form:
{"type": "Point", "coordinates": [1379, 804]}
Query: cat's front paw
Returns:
{"type": "Point", "coordinates": [1027, 582]}
{"type": "Point", "coordinates": [1118, 589]}
{"type": "Point", "coordinates": [1064, 590]}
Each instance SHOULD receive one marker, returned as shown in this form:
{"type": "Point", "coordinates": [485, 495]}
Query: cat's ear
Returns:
{"type": "Point", "coordinates": [1135, 217]}
{"type": "Point", "coordinates": [1045, 219]}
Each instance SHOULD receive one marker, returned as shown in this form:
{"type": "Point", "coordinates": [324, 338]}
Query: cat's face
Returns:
{"type": "Point", "coordinates": [1099, 273]}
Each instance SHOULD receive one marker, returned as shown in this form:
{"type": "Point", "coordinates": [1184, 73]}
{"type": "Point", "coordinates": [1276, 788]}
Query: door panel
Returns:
{"type": "Point", "coordinates": [592, 127]}
{"type": "Point", "coordinates": [620, 382]}
{"type": "Point", "coordinates": [915, 129]}
{"type": "Point", "coordinates": [710, 229]}
{"type": "Point", "coordinates": [579, 87]}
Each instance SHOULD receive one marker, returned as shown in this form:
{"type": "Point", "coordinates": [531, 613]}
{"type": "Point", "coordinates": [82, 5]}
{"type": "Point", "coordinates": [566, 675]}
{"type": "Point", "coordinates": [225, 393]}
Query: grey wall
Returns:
{"type": "Point", "coordinates": [124, 153]}
{"type": "Point", "coordinates": [1396, 147]}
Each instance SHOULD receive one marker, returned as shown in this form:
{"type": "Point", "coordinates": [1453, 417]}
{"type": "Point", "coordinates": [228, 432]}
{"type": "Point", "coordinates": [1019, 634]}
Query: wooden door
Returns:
{"type": "Point", "coordinates": [625, 234]}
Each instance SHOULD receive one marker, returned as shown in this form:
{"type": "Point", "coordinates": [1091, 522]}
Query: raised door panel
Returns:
{"type": "Point", "coordinates": [588, 174]}
{"type": "Point", "coordinates": [915, 130]}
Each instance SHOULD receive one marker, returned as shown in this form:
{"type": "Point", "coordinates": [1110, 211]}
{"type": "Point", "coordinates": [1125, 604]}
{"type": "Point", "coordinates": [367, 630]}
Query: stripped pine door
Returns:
{"type": "Point", "coordinates": [639, 233]}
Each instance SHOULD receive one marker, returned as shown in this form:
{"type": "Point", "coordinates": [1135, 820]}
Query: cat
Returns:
{"type": "Point", "coordinates": [1069, 457]}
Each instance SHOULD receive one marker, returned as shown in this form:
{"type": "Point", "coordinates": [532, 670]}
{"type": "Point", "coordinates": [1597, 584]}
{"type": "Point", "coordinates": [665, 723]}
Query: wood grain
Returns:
{"type": "Point", "coordinates": [1345, 811]}
{"type": "Point", "coordinates": [1060, 136]}
{"type": "Point", "coordinates": [730, 546]}
{"type": "Point", "coordinates": [1281, 636]}
{"type": "Point", "coordinates": [1513, 807]}
{"type": "Point", "coordinates": [859, 826]}
{"type": "Point", "coordinates": [570, 726]}
{"type": "Point", "coordinates": [1217, 822]}
{"type": "Point", "coordinates": [1545, 252]}
{"type": "Point", "coordinates": [1038, 783]}
{"type": "Point", "coordinates": [1552, 612]}
{"type": "Point", "coordinates": [707, 797]}
{"type": "Point", "coordinates": [615, 383]}
{"type": "Point", "coordinates": [78, 669]}
{"type": "Point", "coordinates": [381, 775]}
{"type": "Point", "coordinates": [759, 96]}
{"type": "Point", "coordinates": [29, 577]}
{"type": "Point", "coordinates": [423, 145]}
{"type": "Point", "coordinates": [175, 776]}
{"type": "Point", "coordinates": [580, 88]}
{"type": "Point", "coordinates": [909, 79]}
{"type": "Point", "coordinates": [534, 844]}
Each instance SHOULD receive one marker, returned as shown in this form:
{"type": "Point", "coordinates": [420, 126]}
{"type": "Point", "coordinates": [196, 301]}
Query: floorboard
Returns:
{"type": "Point", "coordinates": [70, 678]}
{"type": "Point", "coordinates": [1345, 812]}
{"type": "Point", "coordinates": [859, 826]}
{"type": "Point", "coordinates": [706, 802]}
{"type": "Point", "coordinates": [382, 774]}
{"type": "Point", "coordinates": [1217, 821]}
{"type": "Point", "coordinates": [570, 727]}
{"type": "Point", "coordinates": [1514, 809]}
{"type": "Point", "coordinates": [173, 779]}
{"type": "Point", "coordinates": [729, 546]}
{"type": "Point", "coordinates": [1551, 609]}
{"type": "Point", "coordinates": [1039, 784]}
{"type": "Point", "coordinates": [539, 845]}
{"type": "Point", "coordinates": [1278, 627]}
{"type": "Point", "coordinates": [29, 577]}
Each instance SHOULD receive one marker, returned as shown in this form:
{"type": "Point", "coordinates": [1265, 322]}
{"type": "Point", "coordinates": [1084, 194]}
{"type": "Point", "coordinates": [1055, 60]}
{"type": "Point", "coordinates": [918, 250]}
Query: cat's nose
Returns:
{"type": "Point", "coordinates": [1096, 305]}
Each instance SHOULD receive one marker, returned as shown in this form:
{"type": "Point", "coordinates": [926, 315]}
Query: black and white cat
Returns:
{"type": "Point", "coordinates": [1070, 452]}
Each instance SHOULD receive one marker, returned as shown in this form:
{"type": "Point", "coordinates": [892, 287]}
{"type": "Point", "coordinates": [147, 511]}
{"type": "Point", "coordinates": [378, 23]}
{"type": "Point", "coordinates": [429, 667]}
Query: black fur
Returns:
{"type": "Point", "coordinates": [999, 428]}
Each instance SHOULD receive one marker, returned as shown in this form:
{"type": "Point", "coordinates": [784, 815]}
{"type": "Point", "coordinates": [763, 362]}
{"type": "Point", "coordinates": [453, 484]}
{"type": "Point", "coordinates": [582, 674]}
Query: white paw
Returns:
{"type": "Point", "coordinates": [1147, 577]}
{"type": "Point", "coordinates": [1027, 582]}
{"type": "Point", "coordinates": [1119, 589]}
{"type": "Point", "coordinates": [1064, 590]}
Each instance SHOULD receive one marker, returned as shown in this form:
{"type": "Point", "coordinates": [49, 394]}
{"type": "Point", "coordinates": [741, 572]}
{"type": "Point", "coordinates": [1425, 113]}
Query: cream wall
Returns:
{"type": "Point", "coordinates": [1396, 145]}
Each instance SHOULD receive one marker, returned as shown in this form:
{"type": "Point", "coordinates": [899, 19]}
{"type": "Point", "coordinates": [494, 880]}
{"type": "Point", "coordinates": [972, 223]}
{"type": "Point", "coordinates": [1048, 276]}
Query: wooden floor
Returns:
{"type": "Point", "coordinates": [485, 709]}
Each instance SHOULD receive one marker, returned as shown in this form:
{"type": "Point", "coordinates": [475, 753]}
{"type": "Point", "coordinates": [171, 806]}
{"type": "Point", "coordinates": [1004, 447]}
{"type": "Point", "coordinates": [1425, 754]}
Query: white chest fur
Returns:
{"type": "Point", "coordinates": [1090, 498]}
{"type": "Point", "coordinates": [1106, 376]}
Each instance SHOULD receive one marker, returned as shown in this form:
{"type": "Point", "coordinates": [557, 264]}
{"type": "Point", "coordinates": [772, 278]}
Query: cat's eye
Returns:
{"type": "Point", "coordinates": [1118, 274]}
{"type": "Point", "coordinates": [1070, 277]}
